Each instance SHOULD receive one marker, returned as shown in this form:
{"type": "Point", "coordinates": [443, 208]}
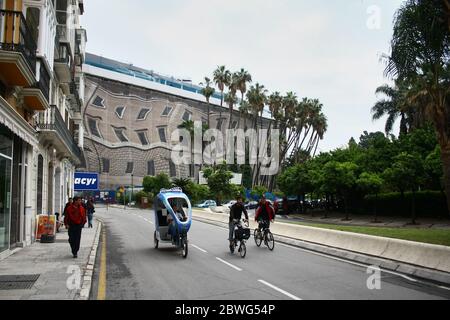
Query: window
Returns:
{"type": "Point", "coordinates": [187, 116]}
{"type": "Point", "coordinates": [143, 137]}
{"type": "Point", "coordinates": [61, 11]}
{"type": "Point", "coordinates": [143, 114]}
{"type": "Point", "coordinates": [130, 167]}
{"type": "Point", "coordinates": [93, 127]}
{"type": "Point", "coordinates": [219, 124]}
{"type": "Point", "coordinates": [151, 168]}
{"type": "Point", "coordinates": [121, 135]}
{"type": "Point", "coordinates": [105, 165]}
{"type": "Point", "coordinates": [167, 111]}
{"type": "Point", "coordinates": [162, 134]}
{"type": "Point", "coordinates": [120, 111]}
{"type": "Point", "coordinates": [234, 125]}
{"type": "Point", "coordinates": [33, 15]}
{"type": "Point", "coordinates": [173, 170]}
{"type": "Point", "coordinates": [98, 102]}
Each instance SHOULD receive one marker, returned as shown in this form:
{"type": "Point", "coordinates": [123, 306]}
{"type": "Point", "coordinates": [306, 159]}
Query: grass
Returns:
{"type": "Point", "coordinates": [432, 236]}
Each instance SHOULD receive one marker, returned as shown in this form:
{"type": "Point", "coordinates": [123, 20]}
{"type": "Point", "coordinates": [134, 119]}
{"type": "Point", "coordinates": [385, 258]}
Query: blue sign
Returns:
{"type": "Point", "coordinates": [86, 181]}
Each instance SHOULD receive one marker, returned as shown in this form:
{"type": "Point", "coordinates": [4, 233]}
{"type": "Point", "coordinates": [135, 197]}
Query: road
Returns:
{"type": "Point", "coordinates": [134, 270]}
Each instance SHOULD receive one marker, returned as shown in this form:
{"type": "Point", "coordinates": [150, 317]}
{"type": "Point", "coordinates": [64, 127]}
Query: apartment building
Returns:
{"type": "Point", "coordinates": [42, 51]}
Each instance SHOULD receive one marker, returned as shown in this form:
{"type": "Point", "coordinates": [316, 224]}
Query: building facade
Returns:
{"type": "Point", "coordinates": [41, 93]}
{"type": "Point", "coordinates": [130, 115]}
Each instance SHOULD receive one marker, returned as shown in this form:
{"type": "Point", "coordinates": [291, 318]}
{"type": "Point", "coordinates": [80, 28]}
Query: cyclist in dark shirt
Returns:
{"type": "Point", "coordinates": [236, 213]}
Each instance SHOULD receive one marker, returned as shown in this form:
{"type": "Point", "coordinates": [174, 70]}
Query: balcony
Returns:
{"type": "Point", "coordinates": [63, 63]}
{"type": "Point", "coordinates": [80, 46]}
{"type": "Point", "coordinates": [17, 50]}
{"type": "Point", "coordinates": [37, 96]}
{"type": "Point", "coordinates": [53, 130]}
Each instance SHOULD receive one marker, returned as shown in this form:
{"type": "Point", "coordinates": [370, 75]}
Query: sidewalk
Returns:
{"type": "Point", "coordinates": [60, 276]}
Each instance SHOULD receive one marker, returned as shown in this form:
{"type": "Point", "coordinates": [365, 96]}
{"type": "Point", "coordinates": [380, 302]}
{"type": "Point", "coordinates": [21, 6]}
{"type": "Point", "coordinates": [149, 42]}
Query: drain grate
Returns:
{"type": "Point", "coordinates": [18, 282]}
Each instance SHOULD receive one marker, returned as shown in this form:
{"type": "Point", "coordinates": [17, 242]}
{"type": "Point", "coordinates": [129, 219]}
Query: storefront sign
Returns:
{"type": "Point", "coordinates": [86, 181]}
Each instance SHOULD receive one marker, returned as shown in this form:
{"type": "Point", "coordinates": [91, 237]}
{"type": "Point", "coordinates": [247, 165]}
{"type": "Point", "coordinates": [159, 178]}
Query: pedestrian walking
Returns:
{"type": "Point", "coordinates": [68, 204]}
{"type": "Point", "coordinates": [74, 220]}
{"type": "Point", "coordinates": [90, 211]}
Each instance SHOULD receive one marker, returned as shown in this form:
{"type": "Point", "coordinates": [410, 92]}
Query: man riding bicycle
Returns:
{"type": "Point", "coordinates": [264, 214]}
{"type": "Point", "coordinates": [236, 211]}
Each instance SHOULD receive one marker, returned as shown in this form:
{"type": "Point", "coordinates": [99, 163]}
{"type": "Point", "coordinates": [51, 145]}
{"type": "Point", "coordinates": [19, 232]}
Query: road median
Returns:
{"type": "Point", "coordinates": [420, 259]}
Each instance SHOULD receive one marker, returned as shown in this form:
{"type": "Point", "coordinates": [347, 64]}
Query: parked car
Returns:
{"type": "Point", "coordinates": [292, 203]}
{"type": "Point", "coordinates": [230, 204]}
{"type": "Point", "coordinates": [207, 204]}
{"type": "Point", "coordinates": [251, 205]}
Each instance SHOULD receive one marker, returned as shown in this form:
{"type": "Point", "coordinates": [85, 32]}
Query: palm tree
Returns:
{"type": "Point", "coordinates": [275, 102]}
{"type": "Point", "coordinates": [208, 91]}
{"type": "Point", "coordinates": [244, 110]}
{"type": "Point", "coordinates": [243, 78]}
{"type": "Point", "coordinates": [393, 107]}
{"type": "Point", "coordinates": [231, 100]}
{"type": "Point", "coordinates": [222, 78]}
{"type": "Point", "coordinates": [420, 58]}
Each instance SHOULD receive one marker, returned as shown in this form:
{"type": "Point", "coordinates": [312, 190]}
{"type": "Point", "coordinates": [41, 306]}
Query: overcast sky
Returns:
{"type": "Point", "coordinates": [325, 49]}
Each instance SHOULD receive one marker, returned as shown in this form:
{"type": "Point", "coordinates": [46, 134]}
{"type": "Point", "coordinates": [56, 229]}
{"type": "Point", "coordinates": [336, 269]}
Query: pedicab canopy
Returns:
{"type": "Point", "coordinates": [166, 200]}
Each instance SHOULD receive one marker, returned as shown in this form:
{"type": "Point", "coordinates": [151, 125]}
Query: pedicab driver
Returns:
{"type": "Point", "coordinates": [236, 211]}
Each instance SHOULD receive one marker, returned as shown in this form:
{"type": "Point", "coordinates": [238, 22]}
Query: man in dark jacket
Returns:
{"type": "Point", "coordinates": [74, 220]}
{"type": "Point", "coordinates": [236, 213]}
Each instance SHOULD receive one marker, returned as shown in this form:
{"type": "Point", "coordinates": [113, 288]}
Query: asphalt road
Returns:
{"type": "Point", "coordinates": [135, 270]}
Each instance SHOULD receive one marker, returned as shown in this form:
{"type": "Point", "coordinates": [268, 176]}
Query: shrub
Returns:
{"type": "Point", "coordinates": [428, 204]}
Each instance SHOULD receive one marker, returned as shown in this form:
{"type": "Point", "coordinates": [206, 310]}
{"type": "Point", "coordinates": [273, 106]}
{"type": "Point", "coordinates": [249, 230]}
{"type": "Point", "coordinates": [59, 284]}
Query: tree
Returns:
{"type": "Point", "coordinates": [222, 78]}
{"type": "Point", "coordinates": [155, 184]}
{"type": "Point", "coordinates": [393, 107]}
{"type": "Point", "coordinates": [218, 180]}
{"type": "Point", "coordinates": [406, 173]}
{"type": "Point", "coordinates": [208, 91]}
{"type": "Point", "coordinates": [420, 57]}
{"type": "Point", "coordinates": [243, 78]}
{"type": "Point", "coordinates": [371, 183]}
{"type": "Point", "coordinates": [341, 180]}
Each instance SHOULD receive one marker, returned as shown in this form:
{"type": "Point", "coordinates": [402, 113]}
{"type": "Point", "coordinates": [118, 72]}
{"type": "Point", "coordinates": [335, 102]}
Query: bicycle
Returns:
{"type": "Point", "coordinates": [241, 235]}
{"type": "Point", "coordinates": [263, 233]}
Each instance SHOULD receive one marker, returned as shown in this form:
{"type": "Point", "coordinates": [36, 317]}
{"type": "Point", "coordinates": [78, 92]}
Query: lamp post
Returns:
{"type": "Point", "coordinates": [132, 188]}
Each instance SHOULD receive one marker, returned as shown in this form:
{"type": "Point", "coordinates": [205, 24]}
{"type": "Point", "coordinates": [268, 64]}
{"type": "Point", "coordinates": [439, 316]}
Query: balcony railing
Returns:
{"type": "Point", "coordinates": [17, 36]}
{"type": "Point", "coordinates": [54, 122]}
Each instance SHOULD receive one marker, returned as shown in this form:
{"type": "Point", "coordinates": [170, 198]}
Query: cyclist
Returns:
{"type": "Point", "coordinates": [236, 211]}
{"type": "Point", "coordinates": [264, 214]}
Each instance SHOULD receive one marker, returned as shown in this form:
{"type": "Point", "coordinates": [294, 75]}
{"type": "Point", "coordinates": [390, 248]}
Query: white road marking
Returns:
{"type": "Point", "coordinates": [229, 264]}
{"type": "Point", "coordinates": [347, 261]}
{"type": "Point", "coordinates": [445, 288]}
{"type": "Point", "coordinates": [279, 290]}
{"type": "Point", "coordinates": [202, 250]}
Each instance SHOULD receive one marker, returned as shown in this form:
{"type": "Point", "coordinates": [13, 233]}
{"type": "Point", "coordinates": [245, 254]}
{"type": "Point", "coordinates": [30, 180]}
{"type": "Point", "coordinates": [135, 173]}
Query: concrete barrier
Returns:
{"type": "Point", "coordinates": [425, 255]}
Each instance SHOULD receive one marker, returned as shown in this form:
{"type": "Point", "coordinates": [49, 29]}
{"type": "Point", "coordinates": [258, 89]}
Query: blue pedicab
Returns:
{"type": "Point", "coordinates": [172, 227]}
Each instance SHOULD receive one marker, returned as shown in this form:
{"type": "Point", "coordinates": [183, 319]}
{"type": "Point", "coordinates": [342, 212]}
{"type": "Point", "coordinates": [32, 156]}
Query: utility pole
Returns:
{"type": "Point", "coordinates": [132, 188]}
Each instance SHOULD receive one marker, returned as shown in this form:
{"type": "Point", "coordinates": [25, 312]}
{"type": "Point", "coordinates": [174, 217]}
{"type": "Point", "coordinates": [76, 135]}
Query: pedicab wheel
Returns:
{"type": "Point", "coordinates": [185, 248]}
{"type": "Point", "coordinates": [270, 241]}
{"type": "Point", "coordinates": [243, 250]}
{"type": "Point", "coordinates": [155, 240]}
{"type": "Point", "coordinates": [258, 237]}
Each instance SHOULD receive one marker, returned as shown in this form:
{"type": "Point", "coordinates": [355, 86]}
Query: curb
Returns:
{"type": "Point", "coordinates": [89, 269]}
{"type": "Point", "coordinates": [434, 276]}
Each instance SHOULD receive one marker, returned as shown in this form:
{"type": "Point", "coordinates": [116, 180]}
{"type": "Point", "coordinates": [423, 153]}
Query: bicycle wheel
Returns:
{"type": "Point", "coordinates": [270, 241]}
{"type": "Point", "coordinates": [258, 237]}
{"type": "Point", "coordinates": [243, 250]}
{"type": "Point", "coordinates": [232, 248]}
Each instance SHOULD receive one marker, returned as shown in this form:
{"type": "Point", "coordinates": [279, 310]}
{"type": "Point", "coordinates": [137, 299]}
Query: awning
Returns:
{"type": "Point", "coordinates": [14, 122]}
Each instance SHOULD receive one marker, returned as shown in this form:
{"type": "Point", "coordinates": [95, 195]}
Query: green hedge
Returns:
{"type": "Point", "coordinates": [428, 204]}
